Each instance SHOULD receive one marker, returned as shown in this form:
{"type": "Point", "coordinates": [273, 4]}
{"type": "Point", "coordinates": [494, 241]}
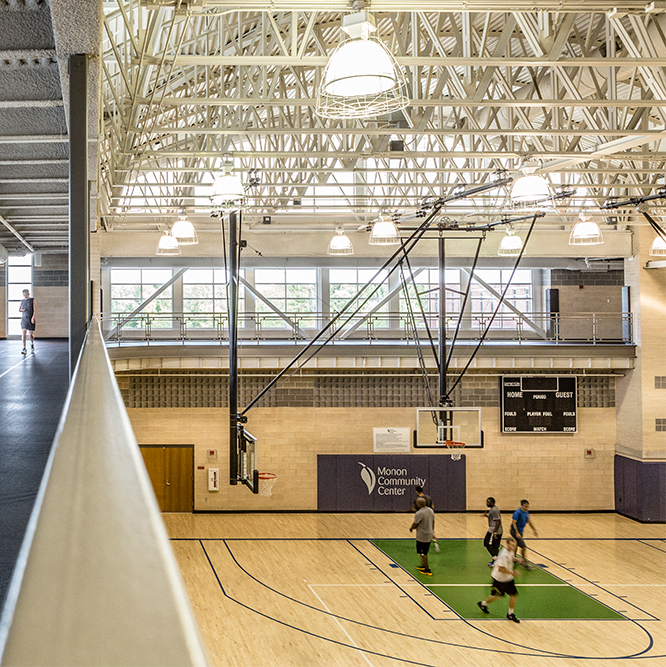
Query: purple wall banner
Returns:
{"type": "Point", "coordinates": [385, 482]}
{"type": "Point", "coordinates": [640, 489]}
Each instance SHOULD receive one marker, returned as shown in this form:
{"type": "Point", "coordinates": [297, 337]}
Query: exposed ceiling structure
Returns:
{"type": "Point", "coordinates": [34, 147]}
{"type": "Point", "coordinates": [569, 88]}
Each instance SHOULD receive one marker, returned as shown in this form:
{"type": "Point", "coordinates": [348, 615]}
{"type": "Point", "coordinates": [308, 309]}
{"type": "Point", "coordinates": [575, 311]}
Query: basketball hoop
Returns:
{"type": "Point", "coordinates": [455, 448]}
{"type": "Point", "coordinates": [266, 483]}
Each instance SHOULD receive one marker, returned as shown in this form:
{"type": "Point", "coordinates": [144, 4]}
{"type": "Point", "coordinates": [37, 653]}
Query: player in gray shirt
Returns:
{"type": "Point", "coordinates": [494, 535]}
{"type": "Point", "coordinates": [424, 524]}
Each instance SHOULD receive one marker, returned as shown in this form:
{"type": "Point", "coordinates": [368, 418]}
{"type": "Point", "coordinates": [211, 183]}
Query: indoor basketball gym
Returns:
{"type": "Point", "coordinates": [304, 259]}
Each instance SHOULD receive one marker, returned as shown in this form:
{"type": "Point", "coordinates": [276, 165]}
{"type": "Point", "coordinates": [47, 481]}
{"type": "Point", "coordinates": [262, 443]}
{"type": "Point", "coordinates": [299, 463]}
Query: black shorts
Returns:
{"type": "Point", "coordinates": [499, 588]}
{"type": "Point", "coordinates": [422, 548]}
{"type": "Point", "coordinates": [519, 540]}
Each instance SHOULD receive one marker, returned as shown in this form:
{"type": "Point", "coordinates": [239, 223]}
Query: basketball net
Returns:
{"type": "Point", "coordinates": [455, 449]}
{"type": "Point", "coordinates": [266, 483]}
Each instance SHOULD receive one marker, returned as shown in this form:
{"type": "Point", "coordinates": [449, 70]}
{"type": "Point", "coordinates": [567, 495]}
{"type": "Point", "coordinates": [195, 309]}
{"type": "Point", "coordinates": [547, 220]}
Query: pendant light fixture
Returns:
{"type": "Point", "coordinates": [228, 192]}
{"type": "Point", "coordinates": [362, 78]}
{"type": "Point", "coordinates": [340, 244]}
{"type": "Point", "coordinates": [585, 231]}
{"type": "Point", "coordinates": [531, 192]}
{"type": "Point", "coordinates": [384, 232]}
{"type": "Point", "coordinates": [511, 243]}
{"type": "Point", "coordinates": [183, 231]}
{"type": "Point", "coordinates": [658, 247]}
{"type": "Point", "coordinates": [167, 245]}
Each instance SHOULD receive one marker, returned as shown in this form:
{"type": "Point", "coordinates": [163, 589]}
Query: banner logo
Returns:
{"type": "Point", "coordinates": [368, 477]}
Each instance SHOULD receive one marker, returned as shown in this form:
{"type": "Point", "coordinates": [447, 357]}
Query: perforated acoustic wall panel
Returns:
{"type": "Point", "coordinates": [202, 389]}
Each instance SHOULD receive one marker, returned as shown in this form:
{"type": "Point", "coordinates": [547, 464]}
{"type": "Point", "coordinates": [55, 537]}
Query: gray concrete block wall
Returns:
{"type": "Point", "coordinates": [560, 277]}
{"type": "Point", "coordinates": [329, 390]}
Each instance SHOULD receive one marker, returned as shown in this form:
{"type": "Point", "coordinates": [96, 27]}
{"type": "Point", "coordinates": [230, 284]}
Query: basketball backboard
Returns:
{"type": "Point", "coordinates": [247, 460]}
{"type": "Point", "coordinates": [434, 426]}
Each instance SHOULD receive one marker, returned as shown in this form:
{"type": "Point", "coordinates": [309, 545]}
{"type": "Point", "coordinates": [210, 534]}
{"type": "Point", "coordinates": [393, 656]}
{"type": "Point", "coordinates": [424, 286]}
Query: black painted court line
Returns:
{"type": "Point", "coordinates": [401, 589]}
{"type": "Point", "coordinates": [596, 583]}
{"type": "Point", "coordinates": [32, 394]}
{"type": "Point", "coordinates": [652, 546]}
{"type": "Point", "coordinates": [535, 652]}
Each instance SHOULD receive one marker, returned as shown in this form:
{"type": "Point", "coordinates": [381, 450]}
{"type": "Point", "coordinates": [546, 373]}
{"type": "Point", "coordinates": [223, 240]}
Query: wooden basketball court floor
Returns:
{"type": "Point", "coordinates": [314, 589]}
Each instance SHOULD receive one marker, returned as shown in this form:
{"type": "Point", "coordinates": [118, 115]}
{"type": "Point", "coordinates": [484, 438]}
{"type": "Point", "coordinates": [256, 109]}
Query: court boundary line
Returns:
{"type": "Point", "coordinates": [534, 652]}
{"type": "Point", "coordinates": [387, 539]}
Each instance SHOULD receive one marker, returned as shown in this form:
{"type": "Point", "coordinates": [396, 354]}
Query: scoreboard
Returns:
{"type": "Point", "coordinates": [538, 404]}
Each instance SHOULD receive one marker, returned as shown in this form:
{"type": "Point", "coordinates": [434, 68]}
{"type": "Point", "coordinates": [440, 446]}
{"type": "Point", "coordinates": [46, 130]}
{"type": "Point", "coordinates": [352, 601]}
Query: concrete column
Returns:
{"type": "Point", "coordinates": [639, 404]}
{"type": "Point", "coordinates": [96, 272]}
{"type": "Point", "coordinates": [79, 250]}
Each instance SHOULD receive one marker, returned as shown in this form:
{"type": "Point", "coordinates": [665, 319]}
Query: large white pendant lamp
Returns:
{"type": "Point", "coordinates": [340, 244]}
{"type": "Point", "coordinates": [384, 232]}
{"type": "Point", "coordinates": [511, 244]}
{"type": "Point", "coordinates": [531, 191]}
{"type": "Point", "coordinates": [228, 191]}
{"type": "Point", "coordinates": [585, 231]}
{"type": "Point", "coordinates": [362, 78]}
{"type": "Point", "coordinates": [658, 247]}
{"type": "Point", "coordinates": [167, 245]}
{"type": "Point", "coordinates": [184, 232]}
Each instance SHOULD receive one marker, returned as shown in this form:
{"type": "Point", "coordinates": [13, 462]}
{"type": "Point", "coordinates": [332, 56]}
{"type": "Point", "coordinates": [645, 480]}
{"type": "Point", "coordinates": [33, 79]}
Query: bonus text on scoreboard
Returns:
{"type": "Point", "coordinates": [538, 404]}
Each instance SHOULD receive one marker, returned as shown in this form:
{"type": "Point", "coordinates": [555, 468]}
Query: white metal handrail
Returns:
{"type": "Point", "coordinates": [580, 328]}
{"type": "Point", "coordinates": [96, 582]}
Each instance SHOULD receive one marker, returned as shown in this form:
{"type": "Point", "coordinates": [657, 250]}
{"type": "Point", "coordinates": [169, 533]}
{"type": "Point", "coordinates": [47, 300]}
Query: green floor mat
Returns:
{"type": "Point", "coordinates": [461, 577]}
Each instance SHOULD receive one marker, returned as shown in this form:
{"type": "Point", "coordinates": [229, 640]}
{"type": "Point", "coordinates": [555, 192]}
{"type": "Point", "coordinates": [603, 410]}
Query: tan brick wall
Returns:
{"type": "Point", "coordinates": [550, 471]}
{"type": "Point", "coordinates": [52, 312]}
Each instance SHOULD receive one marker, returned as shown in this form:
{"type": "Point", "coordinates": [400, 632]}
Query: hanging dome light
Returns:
{"type": "Point", "coordinates": [167, 245]}
{"type": "Point", "coordinates": [228, 190]}
{"type": "Point", "coordinates": [531, 191]}
{"type": "Point", "coordinates": [362, 78]}
{"type": "Point", "coordinates": [183, 231]}
{"type": "Point", "coordinates": [384, 232]}
{"type": "Point", "coordinates": [585, 231]}
{"type": "Point", "coordinates": [511, 243]}
{"type": "Point", "coordinates": [658, 247]}
{"type": "Point", "coordinates": [340, 244]}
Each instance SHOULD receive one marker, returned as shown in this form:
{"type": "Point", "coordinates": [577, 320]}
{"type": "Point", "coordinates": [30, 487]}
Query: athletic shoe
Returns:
{"type": "Point", "coordinates": [512, 617]}
{"type": "Point", "coordinates": [483, 607]}
{"type": "Point", "coordinates": [428, 573]}
{"type": "Point", "coordinates": [421, 569]}
{"type": "Point", "coordinates": [491, 563]}
{"type": "Point", "coordinates": [24, 351]}
{"type": "Point", "coordinates": [436, 547]}
{"type": "Point", "coordinates": [527, 566]}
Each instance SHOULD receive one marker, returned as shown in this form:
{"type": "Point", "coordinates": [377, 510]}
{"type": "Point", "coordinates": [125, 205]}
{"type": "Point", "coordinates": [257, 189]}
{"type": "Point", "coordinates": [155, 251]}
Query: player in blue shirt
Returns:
{"type": "Point", "coordinates": [520, 519]}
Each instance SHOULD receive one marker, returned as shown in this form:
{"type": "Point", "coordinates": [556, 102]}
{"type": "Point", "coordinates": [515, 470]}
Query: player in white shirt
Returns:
{"type": "Point", "coordinates": [503, 579]}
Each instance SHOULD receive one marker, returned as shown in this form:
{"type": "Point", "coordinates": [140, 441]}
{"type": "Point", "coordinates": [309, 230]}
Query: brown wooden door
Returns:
{"type": "Point", "coordinates": [153, 457]}
{"type": "Point", "coordinates": [171, 471]}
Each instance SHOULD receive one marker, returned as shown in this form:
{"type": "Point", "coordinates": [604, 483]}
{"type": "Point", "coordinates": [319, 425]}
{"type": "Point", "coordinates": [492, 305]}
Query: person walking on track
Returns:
{"type": "Point", "coordinates": [27, 310]}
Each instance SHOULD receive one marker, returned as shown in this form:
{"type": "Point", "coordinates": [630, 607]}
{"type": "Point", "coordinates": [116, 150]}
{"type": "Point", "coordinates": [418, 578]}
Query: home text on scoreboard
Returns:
{"type": "Point", "coordinates": [538, 404]}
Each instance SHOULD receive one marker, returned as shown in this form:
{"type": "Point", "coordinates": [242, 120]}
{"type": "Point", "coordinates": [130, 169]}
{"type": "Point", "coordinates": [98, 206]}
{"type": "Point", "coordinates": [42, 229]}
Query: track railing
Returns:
{"type": "Point", "coordinates": [96, 582]}
{"type": "Point", "coordinates": [553, 328]}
